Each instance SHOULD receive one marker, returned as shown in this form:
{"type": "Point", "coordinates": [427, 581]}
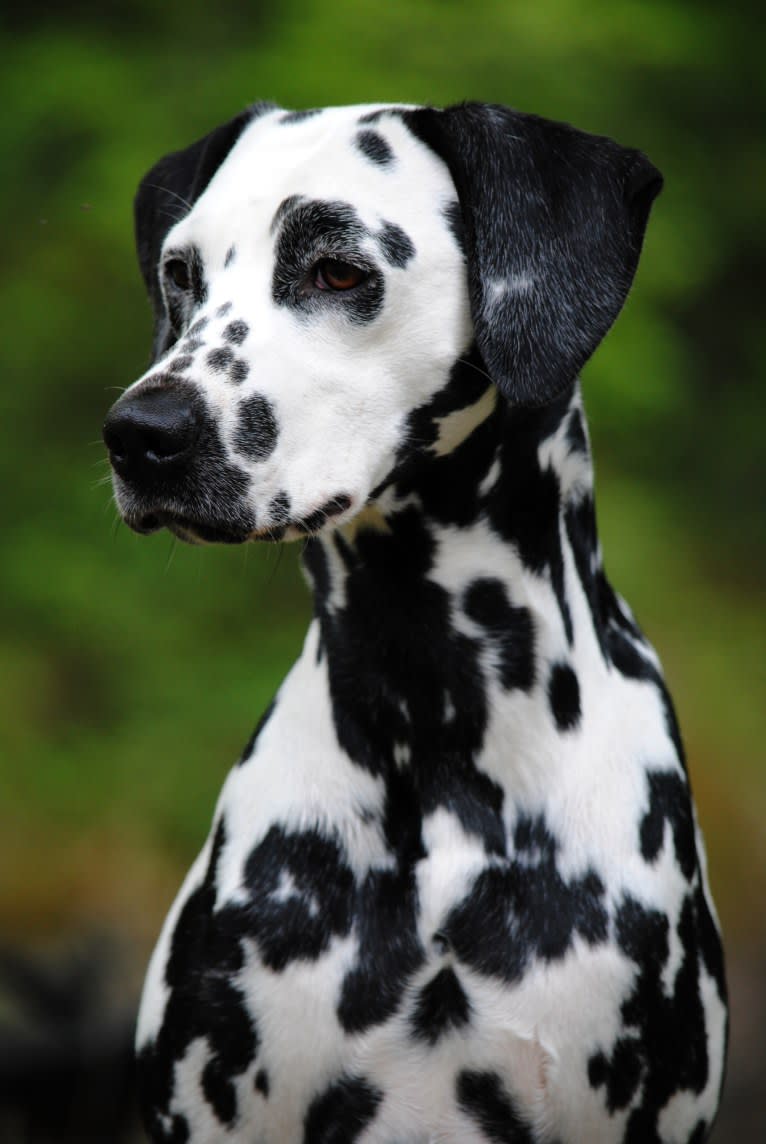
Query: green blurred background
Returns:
{"type": "Point", "coordinates": [132, 669]}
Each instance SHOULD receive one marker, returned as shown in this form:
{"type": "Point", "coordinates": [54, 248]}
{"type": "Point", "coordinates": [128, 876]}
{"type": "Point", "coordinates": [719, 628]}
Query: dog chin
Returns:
{"type": "Point", "coordinates": [188, 529]}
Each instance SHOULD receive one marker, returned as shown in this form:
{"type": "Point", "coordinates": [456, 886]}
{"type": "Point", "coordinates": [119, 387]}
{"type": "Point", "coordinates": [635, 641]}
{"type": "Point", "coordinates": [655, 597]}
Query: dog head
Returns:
{"type": "Point", "coordinates": [315, 278]}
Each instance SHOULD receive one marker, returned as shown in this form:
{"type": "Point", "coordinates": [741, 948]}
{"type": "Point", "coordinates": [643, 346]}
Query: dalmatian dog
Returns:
{"type": "Point", "coordinates": [454, 889]}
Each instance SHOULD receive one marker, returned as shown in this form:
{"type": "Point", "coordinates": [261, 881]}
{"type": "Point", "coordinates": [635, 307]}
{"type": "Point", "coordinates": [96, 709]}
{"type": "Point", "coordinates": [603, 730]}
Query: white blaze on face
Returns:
{"type": "Point", "coordinates": [340, 387]}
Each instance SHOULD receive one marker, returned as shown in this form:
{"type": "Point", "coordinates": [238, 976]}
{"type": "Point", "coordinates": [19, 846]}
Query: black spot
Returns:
{"type": "Point", "coordinates": [250, 745]}
{"type": "Point", "coordinates": [576, 436]}
{"type": "Point", "coordinates": [389, 949]}
{"type": "Point", "coordinates": [236, 332]}
{"type": "Point", "coordinates": [509, 630]}
{"type": "Point", "coordinates": [564, 696]}
{"type": "Point", "coordinates": [373, 116]}
{"type": "Point", "coordinates": [300, 116]}
{"type": "Point", "coordinates": [223, 310]}
{"type": "Point", "coordinates": [203, 1002]}
{"type": "Point", "coordinates": [481, 1096]}
{"type": "Point", "coordinates": [238, 371]}
{"type": "Point", "coordinates": [669, 803]}
{"type": "Point", "coordinates": [441, 1006]}
{"type": "Point", "coordinates": [663, 1048]}
{"type": "Point", "coordinates": [303, 894]}
{"type": "Point", "coordinates": [525, 909]}
{"type": "Point", "coordinates": [333, 507]}
{"type": "Point", "coordinates": [262, 1083]}
{"type": "Point", "coordinates": [375, 147]}
{"type": "Point", "coordinates": [195, 330]}
{"type": "Point", "coordinates": [231, 254]}
{"type": "Point", "coordinates": [397, 246]}
{"type": "Point", "coordinates": [180, 363]}
{"type": "Point", "coordinates": [340, 1113]}
{"type": "Point", "coordinates": [454, 217]}
{"type": "Point", "coordinates": [220, 359]}
{"type": "Point", "coordinates": [279, 508]}
{"type": "Point", "coordinates": [257, 430]}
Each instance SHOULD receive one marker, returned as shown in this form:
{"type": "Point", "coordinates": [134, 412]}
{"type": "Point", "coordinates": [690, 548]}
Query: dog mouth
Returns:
{"type": "Point", "coordinates": [195, 530]}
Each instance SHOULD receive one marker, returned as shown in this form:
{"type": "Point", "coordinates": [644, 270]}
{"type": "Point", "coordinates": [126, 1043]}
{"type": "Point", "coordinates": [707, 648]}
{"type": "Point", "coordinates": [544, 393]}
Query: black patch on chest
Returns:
{"type": "Point", "coordinates": [374, 147]}
{"type": "Point", "coordinates": [564, 696]}
{"type": "Point", "coordinates": [301, 892]}
{"type": "Point", "coordinates": [342, 1112]}
{"type": "Point", "coordinates": [398, 248]}
{"type": "Point", "coordinates": [257, 430]}
{"type": "Point", "coordinates": [441, 1006]}
{"type": "Point", "coordinates": [204, 1001]}
{"type": "Point", "coordinates": [524, 909]}
{"type": "Point", "coordinates": [669, 803]}
{"type": "Point", "coordinates": [663, 1048]}
{"type": "Point", "coordinates": [508, 630]}
{"type": "Point", "coordinates": [482, 1097]}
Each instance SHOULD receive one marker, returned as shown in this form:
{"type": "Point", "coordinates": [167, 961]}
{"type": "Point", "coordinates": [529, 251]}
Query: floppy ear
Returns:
{"type": "Point", "coordinates": [554, 220]}
{"type": "Point", "coordinates": [166, 193]}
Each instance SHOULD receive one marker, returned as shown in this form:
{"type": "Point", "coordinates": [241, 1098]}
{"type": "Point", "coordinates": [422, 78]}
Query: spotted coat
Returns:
{"type": "Point", "coordinates": [454, 889]}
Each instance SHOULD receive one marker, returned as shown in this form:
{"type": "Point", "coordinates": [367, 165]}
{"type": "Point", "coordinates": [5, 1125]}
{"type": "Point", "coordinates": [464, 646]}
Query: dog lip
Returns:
{"type": "Point", "coordinates": [186, 528]}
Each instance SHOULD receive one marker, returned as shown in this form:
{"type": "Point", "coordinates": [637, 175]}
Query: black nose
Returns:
{"type": "Point", "coordinates": [151, 433]}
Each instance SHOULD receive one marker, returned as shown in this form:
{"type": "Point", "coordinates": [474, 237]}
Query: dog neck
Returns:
{"type": "Point", "coordinates": [474, 579]}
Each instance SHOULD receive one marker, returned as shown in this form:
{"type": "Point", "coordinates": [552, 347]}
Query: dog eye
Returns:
{"type": "Point", "coordinates": [178, 273]}
{"type": "Point", "coordinates": [332, 274]}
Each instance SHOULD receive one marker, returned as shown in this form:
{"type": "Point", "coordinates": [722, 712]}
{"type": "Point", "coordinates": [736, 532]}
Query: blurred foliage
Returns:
{"type": "Point", "coordinates": [131, 670]}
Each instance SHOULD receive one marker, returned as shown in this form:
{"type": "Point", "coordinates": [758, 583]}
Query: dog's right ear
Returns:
{"type": "Point", "coordinates": [166, 193]}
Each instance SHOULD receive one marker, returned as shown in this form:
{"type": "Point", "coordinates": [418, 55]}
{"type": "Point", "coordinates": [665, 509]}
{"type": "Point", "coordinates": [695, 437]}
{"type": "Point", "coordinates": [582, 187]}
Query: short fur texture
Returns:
{"type": "Point", "coordinates": [454, 890]}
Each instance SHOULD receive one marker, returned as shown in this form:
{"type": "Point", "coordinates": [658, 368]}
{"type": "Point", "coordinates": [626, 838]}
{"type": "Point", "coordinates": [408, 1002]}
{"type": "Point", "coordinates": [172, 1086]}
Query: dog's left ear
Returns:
{"type": "Point", "coordinates": [164, 196]}
{"type": "Point", "coordinates": [554, 220]}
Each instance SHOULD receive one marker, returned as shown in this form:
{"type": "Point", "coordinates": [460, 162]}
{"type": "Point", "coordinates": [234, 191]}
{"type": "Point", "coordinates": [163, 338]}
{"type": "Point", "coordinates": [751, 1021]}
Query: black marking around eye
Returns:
{"type": "Point", "coordinates": [236, 332]}
{"type": "Point", "coordinates": [374, 147]}
{"type": "Point", "coordinates": [231, 254]}
{"type": "Point", "coordinates": [299, 116]}
{"type": "Point", "coordinates": [317, 229]}
{"type": "Point", "coordinates": [396, 245]}
{"type": "Point", "coordinates": [257, 431]}
{"type": "Point", "coordinates": [284, 209]}
{"type": "Point", "coordinates": [238, 371]}
{"type": "Point", "coordinates": [220, 359]}
{"type": "Point", "coordinates": [564, 696]}
{"type": "Point", "coordinates": [454, 216]}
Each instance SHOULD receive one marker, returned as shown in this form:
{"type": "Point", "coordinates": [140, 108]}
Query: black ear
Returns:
{"type": "Point", "coordinates": [554, 220]}
{"type": "Point", "coordinates": [167, 192]}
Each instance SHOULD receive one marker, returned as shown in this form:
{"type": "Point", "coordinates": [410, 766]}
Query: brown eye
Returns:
{"type": "Point", "coordinates": [331, 274]}
{"type": "Point", "coordinates": [178, 273]}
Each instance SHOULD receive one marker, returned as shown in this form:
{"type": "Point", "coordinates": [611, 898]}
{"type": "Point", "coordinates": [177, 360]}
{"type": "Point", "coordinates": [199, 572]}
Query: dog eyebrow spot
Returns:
{"type": "Point", "coordinates": [396, 245]}
{"type": "Point", "coordinates": [299, 116]}
{"type": "Point", "coordinates": [257, 431]}
{"type": "Point", "coordinates": [375, 148]}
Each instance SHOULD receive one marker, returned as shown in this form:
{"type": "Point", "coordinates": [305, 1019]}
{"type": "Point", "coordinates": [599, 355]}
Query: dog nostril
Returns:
{"type": "Point", "coordinates": [150, 429]}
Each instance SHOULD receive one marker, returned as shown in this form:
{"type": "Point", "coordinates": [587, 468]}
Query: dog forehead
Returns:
{"type": "Point", "coordinates": [364, 155]}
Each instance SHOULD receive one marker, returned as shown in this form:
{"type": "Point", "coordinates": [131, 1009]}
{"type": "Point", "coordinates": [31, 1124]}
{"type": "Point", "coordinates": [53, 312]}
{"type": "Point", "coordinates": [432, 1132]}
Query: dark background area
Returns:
{"type": "Point", "coordinates": [132, 670]}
